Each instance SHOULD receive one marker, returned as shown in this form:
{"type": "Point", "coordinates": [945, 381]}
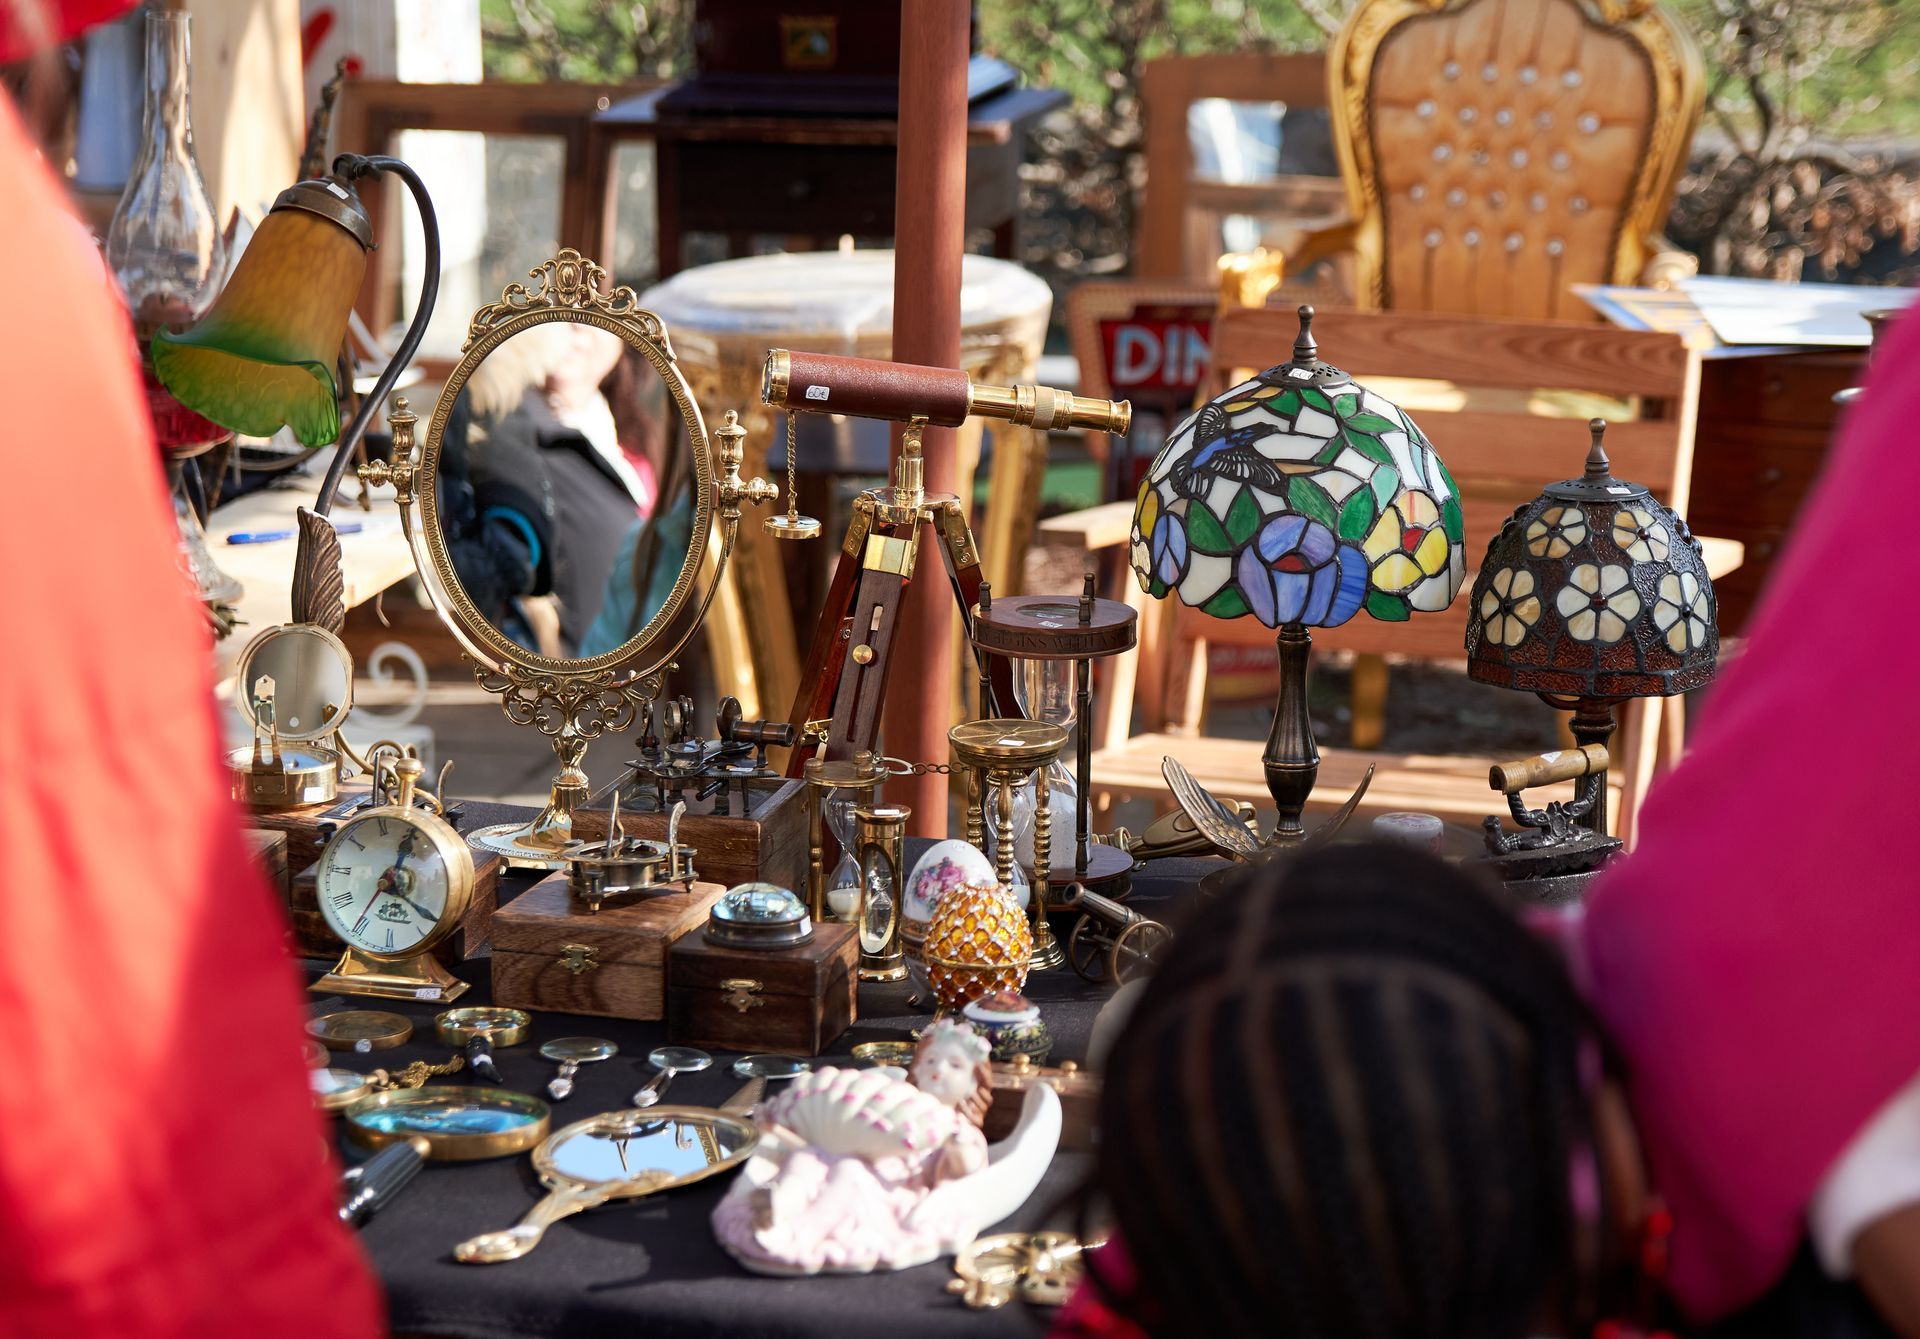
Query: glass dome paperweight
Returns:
{"type": "Point", "coordinates": [759, 916]}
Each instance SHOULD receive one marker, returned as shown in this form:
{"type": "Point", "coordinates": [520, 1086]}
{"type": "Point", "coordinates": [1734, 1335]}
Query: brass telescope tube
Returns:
{"type": "Point", "coordinates": [825, 383]}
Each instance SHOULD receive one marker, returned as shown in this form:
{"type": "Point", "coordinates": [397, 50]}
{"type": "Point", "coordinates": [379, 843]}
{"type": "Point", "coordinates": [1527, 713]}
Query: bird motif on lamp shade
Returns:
{"type": "Point", "coordinates": [1300, 496]}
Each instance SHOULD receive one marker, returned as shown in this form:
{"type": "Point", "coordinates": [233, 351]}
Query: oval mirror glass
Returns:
{"type": "Point", "coordinates": [570, 504]}
{"type": "Point", "coordinates": [615, 1149]}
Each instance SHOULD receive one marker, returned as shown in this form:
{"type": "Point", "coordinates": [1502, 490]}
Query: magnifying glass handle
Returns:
{"type": "Point", "coordinates": [653, 1089]}
{"type": "Point", "coordinates": [561, 1086]}
{"type": "Point", "coordinates": [370, 1186]}
{"type": "Point", "coordinates": [480, 1058]}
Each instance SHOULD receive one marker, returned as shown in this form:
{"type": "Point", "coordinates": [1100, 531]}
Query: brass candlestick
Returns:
{"type": "Point", "coordinates": [1002, 754]}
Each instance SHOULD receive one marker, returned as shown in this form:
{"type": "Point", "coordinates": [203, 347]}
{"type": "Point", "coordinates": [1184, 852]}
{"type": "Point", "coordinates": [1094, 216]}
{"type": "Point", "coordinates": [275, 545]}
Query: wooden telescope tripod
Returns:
{"type": "Point", "coordinates": [843, 680]}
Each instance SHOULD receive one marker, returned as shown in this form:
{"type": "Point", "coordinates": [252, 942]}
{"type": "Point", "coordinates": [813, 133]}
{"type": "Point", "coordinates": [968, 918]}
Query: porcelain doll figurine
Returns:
{"type": "Point", "coordinates": [866, 1169]}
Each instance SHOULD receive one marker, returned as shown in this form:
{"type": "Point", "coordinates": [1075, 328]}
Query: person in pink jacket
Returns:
{"type": "Point", "coordinates": [1757, 956]}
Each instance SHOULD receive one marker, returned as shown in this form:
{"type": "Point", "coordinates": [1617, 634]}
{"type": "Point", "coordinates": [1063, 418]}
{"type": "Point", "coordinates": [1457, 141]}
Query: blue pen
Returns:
{"type": "Point", "coordinates": [269, 536]}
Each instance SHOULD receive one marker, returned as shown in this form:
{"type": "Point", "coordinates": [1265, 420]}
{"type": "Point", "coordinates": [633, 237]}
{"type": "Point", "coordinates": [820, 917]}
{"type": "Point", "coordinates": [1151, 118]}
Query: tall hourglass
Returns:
{"type": "Point", "coordinates": [843, 884]}
{"type": "Point", "coordinates": [1046, 692]}
{"type": "Point", "coordinates": [835, 788]}
{"type": "Point", "coordinates": [1052, 642]}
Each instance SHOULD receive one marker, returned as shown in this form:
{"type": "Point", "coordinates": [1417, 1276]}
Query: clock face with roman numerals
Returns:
{"type": "Point", "coordinates": [384, 886]}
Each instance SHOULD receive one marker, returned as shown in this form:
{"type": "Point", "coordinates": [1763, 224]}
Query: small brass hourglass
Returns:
{"type": "Point", "coordinates": [835, 788]}
{"type": "Point", "coordinates": [1002, 754]}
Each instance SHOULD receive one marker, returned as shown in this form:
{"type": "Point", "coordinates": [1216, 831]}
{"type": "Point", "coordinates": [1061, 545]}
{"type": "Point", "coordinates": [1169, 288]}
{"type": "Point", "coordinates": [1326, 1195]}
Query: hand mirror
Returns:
{"type": "Point", "coordinates": [572, 524]}
{"type": "Point", "coordinates": [617, 1155]}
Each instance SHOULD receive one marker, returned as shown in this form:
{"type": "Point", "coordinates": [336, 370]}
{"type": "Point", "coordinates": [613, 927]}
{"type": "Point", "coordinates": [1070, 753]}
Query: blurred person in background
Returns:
{"type": "Point", "coordinates": [163, 1171]}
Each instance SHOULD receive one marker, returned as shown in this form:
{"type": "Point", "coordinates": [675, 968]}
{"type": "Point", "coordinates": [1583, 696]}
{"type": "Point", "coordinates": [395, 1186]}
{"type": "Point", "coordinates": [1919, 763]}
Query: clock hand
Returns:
{"type": "Point", "coordinates": [417, 907]}
{"type": "Point", "coordinates": [406, 848]}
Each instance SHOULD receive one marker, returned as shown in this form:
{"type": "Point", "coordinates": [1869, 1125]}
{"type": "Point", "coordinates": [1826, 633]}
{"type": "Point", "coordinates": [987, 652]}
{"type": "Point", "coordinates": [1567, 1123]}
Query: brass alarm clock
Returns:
{"type": "Point", "coordinates": [394, 882]}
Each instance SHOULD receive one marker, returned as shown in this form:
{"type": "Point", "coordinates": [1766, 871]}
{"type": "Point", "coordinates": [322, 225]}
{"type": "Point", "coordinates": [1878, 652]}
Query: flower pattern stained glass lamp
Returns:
{"type": "Point", "coordinates": [1299, 498]}
{"type": "Point", "coordinates": [1590, 595]}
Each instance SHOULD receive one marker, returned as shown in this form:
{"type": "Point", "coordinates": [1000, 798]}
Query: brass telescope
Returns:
{"type": "Point", "coordinates": [824, 383]}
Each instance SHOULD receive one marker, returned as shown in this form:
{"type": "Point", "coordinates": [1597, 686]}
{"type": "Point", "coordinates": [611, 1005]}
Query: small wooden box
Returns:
{"type": "Point", "coordinates": [548, 954]}
{"type": "Point", "coordinates": [1079, 1094]}
{"type": "Point", "coordinates": [309, 826]}
{"type": "Point", "coordinates": [312, 939]}
{"type": "Point", "coordinates": [269, 851]}
{"type": "Point", "coordinates": [766, 844]}
{"type": "Point", "coordinates": [794, 1000]}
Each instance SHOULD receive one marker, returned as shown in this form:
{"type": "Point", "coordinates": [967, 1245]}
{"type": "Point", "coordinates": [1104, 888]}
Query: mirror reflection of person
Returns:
{"type": "Point", "coordinates": [560, 455]}
{"type": "Point", "coordinates": [645, 568]}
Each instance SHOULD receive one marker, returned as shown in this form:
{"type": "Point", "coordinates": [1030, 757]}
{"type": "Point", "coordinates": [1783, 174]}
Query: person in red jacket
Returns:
{"type": "Point", "coordinates": [163, 1171]}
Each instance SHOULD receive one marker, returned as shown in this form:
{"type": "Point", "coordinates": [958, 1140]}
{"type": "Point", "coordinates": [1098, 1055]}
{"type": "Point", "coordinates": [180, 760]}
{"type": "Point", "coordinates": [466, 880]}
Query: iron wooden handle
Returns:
{"type": "Point", "coordinates": [825, 383]}
{"type": "Point", "coordinates": [1544, 769]}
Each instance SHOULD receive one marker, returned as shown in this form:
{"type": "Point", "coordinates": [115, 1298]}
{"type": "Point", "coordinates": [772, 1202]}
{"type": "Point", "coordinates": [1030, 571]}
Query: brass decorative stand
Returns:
{"type": "Point", "coordinates": [1003, 754]}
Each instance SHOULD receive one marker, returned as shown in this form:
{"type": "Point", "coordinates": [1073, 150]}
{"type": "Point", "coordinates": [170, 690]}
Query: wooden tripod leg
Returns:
{"type": "Point", "coordinates": [826, 652]}
{"type": "Point", "coordinates": [962, 558]}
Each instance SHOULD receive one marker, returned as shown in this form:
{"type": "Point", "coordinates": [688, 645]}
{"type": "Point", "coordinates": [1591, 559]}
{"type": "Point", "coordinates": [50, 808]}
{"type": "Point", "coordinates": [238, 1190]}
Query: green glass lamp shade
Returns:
{"type": "Point", "coordinates": [1300, 497]}
{"type": "Point", "coordinates": [263, 355]}
{"type": "Point", "coordinates": [1593, 590]}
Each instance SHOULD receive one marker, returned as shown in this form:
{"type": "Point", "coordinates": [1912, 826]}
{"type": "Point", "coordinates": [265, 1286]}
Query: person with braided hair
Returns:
{"type": "Point", "coordinates": [1357, 1100]}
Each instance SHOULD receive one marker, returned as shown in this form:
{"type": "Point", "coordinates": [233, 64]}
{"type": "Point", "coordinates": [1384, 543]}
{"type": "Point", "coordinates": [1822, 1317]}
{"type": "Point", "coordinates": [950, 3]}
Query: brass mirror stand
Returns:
{"type": "Point", "coordinates": [571, 701]}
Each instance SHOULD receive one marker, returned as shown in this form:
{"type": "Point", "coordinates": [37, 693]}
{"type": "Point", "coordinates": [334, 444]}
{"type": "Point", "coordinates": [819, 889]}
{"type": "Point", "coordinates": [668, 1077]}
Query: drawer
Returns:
{"type": "Point", "coordinates": [1758, 477]}
{"type": "Point", "coordinates": [1793, 389]}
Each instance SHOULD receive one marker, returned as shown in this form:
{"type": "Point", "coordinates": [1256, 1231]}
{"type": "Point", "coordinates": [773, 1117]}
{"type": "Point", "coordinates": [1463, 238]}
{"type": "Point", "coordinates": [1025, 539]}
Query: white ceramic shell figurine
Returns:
{"type": "Point", "coordinates": [861, 1113]}
{"type": "Point", "coordinates": [860, 1170]}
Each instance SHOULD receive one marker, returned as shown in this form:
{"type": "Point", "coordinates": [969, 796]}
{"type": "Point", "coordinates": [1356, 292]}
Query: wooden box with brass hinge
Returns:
{"type": "Point", "coordinates": [311, 938]}
{"type": "Point", "coordinates": [550, 954]}
{"type": "Point", "coordinates": [796, 1000]}
{"type": "Point", "coordinates": [764, 841]}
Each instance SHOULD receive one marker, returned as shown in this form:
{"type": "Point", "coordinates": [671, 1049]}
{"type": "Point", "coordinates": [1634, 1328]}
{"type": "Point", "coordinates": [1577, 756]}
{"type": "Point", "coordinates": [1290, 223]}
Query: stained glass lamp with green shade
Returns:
{"type": "Point", "coordinates": [263, 356]}
{"type": "Point", "coordinates": [1301, 499]}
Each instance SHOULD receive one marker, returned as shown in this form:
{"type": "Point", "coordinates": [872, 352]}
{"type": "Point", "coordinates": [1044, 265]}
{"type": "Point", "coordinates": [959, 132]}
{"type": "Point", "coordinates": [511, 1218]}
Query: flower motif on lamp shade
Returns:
{"type": "Point", "coordinates": [1593, 590]}
{"type": "Point", "coordinates": [1300, 497]}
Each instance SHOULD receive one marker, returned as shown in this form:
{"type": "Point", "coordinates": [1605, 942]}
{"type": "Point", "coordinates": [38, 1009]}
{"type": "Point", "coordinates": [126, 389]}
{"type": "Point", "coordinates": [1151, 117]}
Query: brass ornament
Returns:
{"type": "Point", "coordinates": [1040, 1268]}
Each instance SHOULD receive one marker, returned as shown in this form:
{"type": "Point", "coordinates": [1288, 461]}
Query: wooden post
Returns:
{"type": "Point", "coordinates": [929, 239]}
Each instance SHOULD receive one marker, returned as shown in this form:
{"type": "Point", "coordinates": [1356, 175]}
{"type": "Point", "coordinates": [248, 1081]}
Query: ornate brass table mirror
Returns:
{"type": "Point", "coordinates": [608, 511]}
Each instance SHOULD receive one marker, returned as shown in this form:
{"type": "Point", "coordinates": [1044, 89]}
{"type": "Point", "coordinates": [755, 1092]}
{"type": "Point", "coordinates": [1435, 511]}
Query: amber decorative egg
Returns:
{"type": "Point", "coordinates": [978, 942]}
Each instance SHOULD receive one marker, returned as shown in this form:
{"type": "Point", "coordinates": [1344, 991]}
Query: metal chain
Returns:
{"type": "Point", "coordinates": [415, 1074]}
{"type": "Point", "coordinates": [793, 487]}
{"type": "Point", "coordinates": [901, 767]}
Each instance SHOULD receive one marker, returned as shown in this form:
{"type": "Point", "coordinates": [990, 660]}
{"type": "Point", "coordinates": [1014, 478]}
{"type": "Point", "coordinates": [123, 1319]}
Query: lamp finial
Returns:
{"type": "Point", "coordinates": [1598, 466]}
{"type": "Point", "coordinates": [1305, 352]}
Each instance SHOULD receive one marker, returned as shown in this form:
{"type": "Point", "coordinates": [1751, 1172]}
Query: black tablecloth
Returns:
{"type": "Point", "coordinates": [652, 1265]}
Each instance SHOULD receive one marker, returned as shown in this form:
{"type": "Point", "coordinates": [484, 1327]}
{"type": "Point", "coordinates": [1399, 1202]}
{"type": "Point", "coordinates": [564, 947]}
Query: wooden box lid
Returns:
{"type": "Point", "coordinates": [808, 970]}
{"type": "Point", "coordinates": [545, 917]}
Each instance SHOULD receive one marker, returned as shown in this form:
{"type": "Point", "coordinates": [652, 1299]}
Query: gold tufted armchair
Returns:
{"type": "Point", "coordinates": [1495, 152]}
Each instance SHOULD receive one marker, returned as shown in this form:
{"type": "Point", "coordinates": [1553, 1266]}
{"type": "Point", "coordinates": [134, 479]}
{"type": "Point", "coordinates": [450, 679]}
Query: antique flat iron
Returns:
{"type": "Point", "coordinates": [1554, 855]}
